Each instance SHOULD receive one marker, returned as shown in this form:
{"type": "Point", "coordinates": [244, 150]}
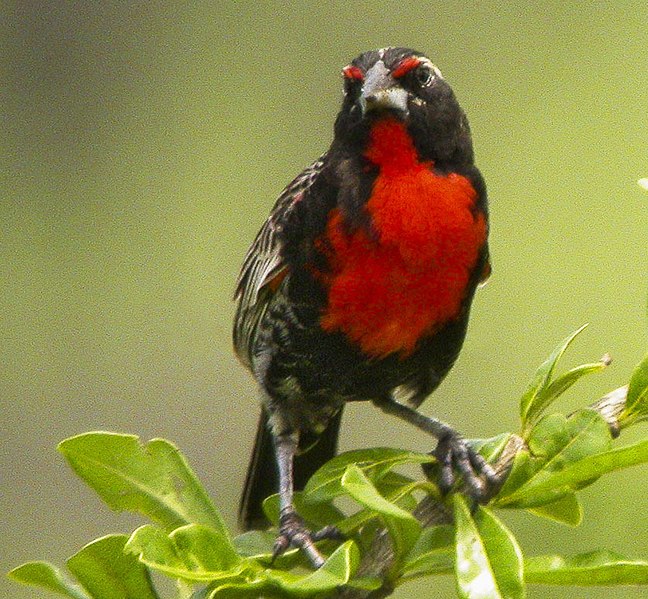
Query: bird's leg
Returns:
{"type": "Point", "coordinates": [292, 530]}
{"type": "Point", "coordinates": [452, 452]}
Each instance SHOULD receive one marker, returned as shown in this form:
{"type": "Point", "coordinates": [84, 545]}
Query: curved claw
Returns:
{"type": "Point", "coordinates": [294, 533]}
{"type": "Point", "coordinates": [455, 455]}
{"type": "Point", "coordinates": [330, 532]}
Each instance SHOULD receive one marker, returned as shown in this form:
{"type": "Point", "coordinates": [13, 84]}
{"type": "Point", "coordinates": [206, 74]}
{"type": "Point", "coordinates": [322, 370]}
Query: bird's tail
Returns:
{"type": "Point", "coordinates": [262, 477]}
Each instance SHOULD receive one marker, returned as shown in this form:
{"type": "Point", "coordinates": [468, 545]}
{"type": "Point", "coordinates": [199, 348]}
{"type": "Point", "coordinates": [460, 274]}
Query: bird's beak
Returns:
{"type": "Point", "coordinates": [381, 92]}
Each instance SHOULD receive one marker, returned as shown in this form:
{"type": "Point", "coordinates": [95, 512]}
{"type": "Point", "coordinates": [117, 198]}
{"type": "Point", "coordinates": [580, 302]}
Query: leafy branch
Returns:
{"type": "Point", "coordinates": [402, 528]}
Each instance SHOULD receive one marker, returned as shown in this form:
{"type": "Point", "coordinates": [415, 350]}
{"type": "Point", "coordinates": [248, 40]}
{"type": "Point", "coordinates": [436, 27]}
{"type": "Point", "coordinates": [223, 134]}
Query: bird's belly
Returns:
{"type": "Point", "coordinates": [389, 290]}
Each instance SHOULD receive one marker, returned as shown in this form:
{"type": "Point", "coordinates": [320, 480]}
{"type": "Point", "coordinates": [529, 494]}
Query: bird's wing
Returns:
{"type": "Point", "coordinates": [264, 267]}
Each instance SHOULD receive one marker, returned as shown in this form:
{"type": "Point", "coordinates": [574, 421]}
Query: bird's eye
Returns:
{"type": "Point", "coordinates": [424, 75]}
{"type": "Point", "coordinates": [415, 70]}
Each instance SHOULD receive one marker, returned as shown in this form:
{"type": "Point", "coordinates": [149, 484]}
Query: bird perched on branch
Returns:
{"type": "Point", "coordinates": [359, 284]}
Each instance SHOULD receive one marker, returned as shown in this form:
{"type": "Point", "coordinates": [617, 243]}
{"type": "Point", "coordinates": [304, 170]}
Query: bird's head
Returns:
{"type": "Point", "coordinates": [403, 84]}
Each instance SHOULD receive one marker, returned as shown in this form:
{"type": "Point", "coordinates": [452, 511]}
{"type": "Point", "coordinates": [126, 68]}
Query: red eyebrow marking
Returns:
{"type": "Point", "coordinates": [353, 72]}
{"type": "Point", "coordinates": [405, 66]}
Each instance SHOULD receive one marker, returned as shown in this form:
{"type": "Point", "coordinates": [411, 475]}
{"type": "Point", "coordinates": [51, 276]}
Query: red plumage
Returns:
{"type": "Point", "coordinates": [387, 291]}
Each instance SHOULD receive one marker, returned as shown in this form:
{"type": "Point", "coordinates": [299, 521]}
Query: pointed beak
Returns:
{"type": "Point", "coordinates": [381, 92]}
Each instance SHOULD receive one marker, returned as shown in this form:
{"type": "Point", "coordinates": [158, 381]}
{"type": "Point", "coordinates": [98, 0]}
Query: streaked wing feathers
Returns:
{"type": "Point", "coordinates": [264, 262]}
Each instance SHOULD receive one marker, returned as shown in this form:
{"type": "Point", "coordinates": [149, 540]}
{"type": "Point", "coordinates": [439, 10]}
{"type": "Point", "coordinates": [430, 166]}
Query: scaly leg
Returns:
{"type": "Point", "coordinates": [452, 452]}
{"type": "Point", "coordinates": [292, 530]}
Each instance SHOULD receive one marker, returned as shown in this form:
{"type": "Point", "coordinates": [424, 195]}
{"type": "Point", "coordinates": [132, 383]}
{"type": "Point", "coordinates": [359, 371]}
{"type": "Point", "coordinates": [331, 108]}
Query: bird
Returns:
{"type": "Point", "coordinates": [359, 285]}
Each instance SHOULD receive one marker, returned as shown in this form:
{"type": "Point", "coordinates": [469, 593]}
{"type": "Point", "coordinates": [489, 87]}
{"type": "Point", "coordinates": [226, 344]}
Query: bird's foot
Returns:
{"type": "Point", "coordinates": [454, 455]}
{"type": "Point", "coordinates": [294, 533]}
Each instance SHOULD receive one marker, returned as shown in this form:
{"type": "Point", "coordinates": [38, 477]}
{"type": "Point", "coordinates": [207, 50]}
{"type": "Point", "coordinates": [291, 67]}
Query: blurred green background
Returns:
{"type": "Point", "coordinates": [143, 144]}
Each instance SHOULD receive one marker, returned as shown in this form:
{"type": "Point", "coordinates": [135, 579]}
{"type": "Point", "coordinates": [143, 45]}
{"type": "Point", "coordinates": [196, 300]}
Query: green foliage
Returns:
{"type": "Point", "coordinates": [326, 483]}
{"type": "Point", "coordinates": [106, 570]}
{"type": "Point", "coordinates": [403, 527]}
{"type": "Point", "coordinates": [636, 408]}
{"type": "Point", "coordinates": [187, 540]}
{"type": "Point", "coordinates": [152, 479]}
{"type": "Point", "coordinates": [544, 390]}
{"type": "Point", "coordinates": [193, 552]}
{"type": "Point", "coordinates": [554, 444]}
{"type": "Point", "coordinates": [587, 569]}
{"type": "Point", "coordinates": [488, 560]}
{"type": "Point", "coordinates": [48, 577]}
{"type": "Point", "coordinates": [103, 568]}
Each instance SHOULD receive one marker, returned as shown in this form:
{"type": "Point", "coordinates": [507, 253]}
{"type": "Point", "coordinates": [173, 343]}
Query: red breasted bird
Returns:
{"type": "Point", "coordinates": [359, 284]}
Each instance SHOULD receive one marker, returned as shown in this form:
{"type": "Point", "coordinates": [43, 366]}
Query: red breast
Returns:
{"type": "Point", "coordinates": [386, 292]}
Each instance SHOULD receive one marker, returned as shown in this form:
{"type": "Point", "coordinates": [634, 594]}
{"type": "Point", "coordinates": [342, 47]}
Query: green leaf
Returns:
{"type": "Point", "coordinates": [588, 569]}
{"type": "Point", "coordinates": [393, 482]}
{"type": "Point", "coordinates": [403, 527]}
{"type": "Point", "coordinates": [259, 545]}
{"type": "Point", "coordinates": [107, 572]}
{"type": "Point", "coordinates": [255, 543]}
{"type": "Point", "coordinates": [559, 385]}
{"type": "Point", "coordinates": [315, 514]}
{"type": "Point", "coordinates": [399, 495]}
{"type": "Point", "coordinates": [336, 571]}
{"type": "Point", "coordinates": [325, 485]}
{"type": "Point", "coordinates": [521, 471]}
{"type": "Point", "coordinates": [152, 479]}
{"type": "Point", "coordinates": [563, 439]}
{"type": "Point", "coordinates": [46, 576]}
{"type": "Point", "coordinates": [192, 552]}
{"type": "Point", "coordinates": [555, 444]}
{"type": "Point", "coordinates": [579, 474]}
{"type": "Point", "coordinates": [491, 448]}
{"type": "Point", "coordinates": [533, 402]}
{"type": "Point", "coordinates": [433, 553]}
{"type": "Point", "coordinates": [567, 510]}
{"type": "Point", "coordinates": [488, 560]}
{"type": "Point", "coordinates": [237, 590]}
{"type": "Point", "coordinates": [636, 408]}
